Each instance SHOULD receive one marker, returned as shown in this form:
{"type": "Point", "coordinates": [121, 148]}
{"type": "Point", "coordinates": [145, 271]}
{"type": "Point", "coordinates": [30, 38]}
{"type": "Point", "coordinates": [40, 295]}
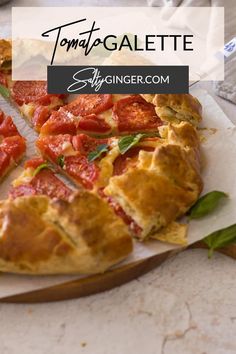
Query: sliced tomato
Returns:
{"type": "Point", "coordinates": [5, 161]}
{"type": "Point", "coordinates": [46, 183]}
{"type": "Point", "coordinates": [59, 123]}
{"type": "Point", "coordinates": [129, 159]}
{"type": "Point", "coordinates": [134, 114]}
{"type": "Point", "coordinates": [81, 170]}
{"type": "Point", "coordinates": [14, 146]}
{"type": "Point", "coordinates": [2, 116]}
{"type": "Point", "coordinates": [85, 144]}
{"type": "Point", "coordinates": [126, 218]}
{"type": "Point", "coordinates": [94, 124]}
{"type": "Point", "coordinates": [34, 163]}
{"type": "Point", "coordinates": [76, 166]}
{"type": "Point", "coordinates": [121, 213]}
{"type": "Point", "coordinates": [7, 127]}
{"type": "Point", "coordinates": [54, 146]}
{"type": "Point", "coordinates": [85, 105]}
{"type": "Point", "coordinates": [22, 190]}
{"type": "Point", "coordinates": [40, 116]}
{"type": "Point", "coordinates": [31, 91]}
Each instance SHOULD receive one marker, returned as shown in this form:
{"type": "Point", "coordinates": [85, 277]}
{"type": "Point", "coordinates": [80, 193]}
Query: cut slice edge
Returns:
{"type": "Point", "coordinates": [39, 179]}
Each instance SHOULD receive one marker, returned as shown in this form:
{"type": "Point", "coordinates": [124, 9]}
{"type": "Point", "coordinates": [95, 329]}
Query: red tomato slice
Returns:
{"type": "Point", "coordinates": [77, 166]}
{"type": "Point", "coordinates": [121, 213]}
{"type": "Point", "coordinates": [7, 127]}
{"type": "Point", "coordinates": [21, 190]}
{"type": "Point", "coordinates": [134, 114]}
{"type": "Point", "coordinates": [85, 105]}
{"type": "Point", "coordinates": [2, 116]}
{"type": "Point", "coordinates": [129, 159]}
{"type": "Point", "coordinates": [59, 123]}
{"type": "Point", "coordinates": [81, 170]}
{"type": "Point", "coordinates": [54, 146]}
{"type": "Point", "coordinates": [14, 146]}
{"type": "Point", "coordinates": [40, 116]}
{"type": "Point", "coordinates": [85, 144]}
{"type": "Point", "coordinates": [126, 218]}
{"type": "Point", "coordinates": [31, 91]}
{"type": "Point", "coordinates": [94, 124]}
{"type": "Point", "coordinates": [46, 183]}
{"type": "Point", "coordinates": [34, 163]}
{"type": "Point", "coordinates": [5, 161]}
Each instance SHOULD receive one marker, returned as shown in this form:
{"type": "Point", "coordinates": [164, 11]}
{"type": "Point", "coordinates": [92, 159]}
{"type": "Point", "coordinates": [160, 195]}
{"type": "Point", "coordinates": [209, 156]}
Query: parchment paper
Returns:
{"type": "Point", "coordinates": [219, 172]}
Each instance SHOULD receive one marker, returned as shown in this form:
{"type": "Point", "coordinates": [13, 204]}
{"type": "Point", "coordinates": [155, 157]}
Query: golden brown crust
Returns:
{"type": "Point", "coordinates": [174, 232]}
{"type": "Point", "coordinates": [39, 236]}
{"type": "Point", "coordinates": [5, 54]}
{"type": "Point", "coordinates": [23, 237]}
{"type": "Point", "coordinates": [164, 184]}
{"type": "Point", "coordinates": [92, 222]}
{"type": "Point", "coordinates": [172, 161]}
{"type": "Point", "coordinates": [186, 135]}
{"type": "Point", "coordinates": [183, 134]}
{"type": "Point", "coordinates": [175, 108]}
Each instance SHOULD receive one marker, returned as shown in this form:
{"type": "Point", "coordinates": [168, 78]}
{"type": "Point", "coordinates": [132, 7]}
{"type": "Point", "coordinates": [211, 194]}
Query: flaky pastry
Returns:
{"type": "Point", "coordinates": [175, 108]}
{"type": "Point", "coordinates": [164, 184]}
{"type": "Point", "coordinates": [39, 236]}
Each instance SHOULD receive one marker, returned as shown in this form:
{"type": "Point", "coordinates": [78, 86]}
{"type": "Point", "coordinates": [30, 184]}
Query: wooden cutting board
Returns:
{"type": "Point", "coordinates": [98, 283]}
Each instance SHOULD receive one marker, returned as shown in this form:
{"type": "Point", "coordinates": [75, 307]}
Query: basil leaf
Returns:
{"type": "Point", "coordinates": [39, 168]}
{"type": "Point", "coordinates": [127, 142]}
{"type": "Point", "coordinates": [4, 91]}
{"type": "Point", "coordinates": [206, 204]}
{"type": "Point", "coordinates": [61, 161]}
{"type": "Point", "coordinates": [220, 238]}
{"type": "Point", "coordinates": [98, 152]}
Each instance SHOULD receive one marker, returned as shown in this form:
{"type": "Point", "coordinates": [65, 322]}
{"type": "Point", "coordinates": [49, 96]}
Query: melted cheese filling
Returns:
{"type": "Point", "coordinates": [106, 167]}
{"type": "Point", "coordinates": [24, 178]}
{"type": "Point", "coordinates": [107, 116]}
{"type": "Point", "coordinates": [28, 109]}
{"type": "Point", "coordinates": [68, 150]}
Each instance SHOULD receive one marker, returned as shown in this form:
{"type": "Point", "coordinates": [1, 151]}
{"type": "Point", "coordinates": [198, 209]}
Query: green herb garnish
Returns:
{"type": "Point", "coordinates": [61, 161]}
{"type": "Point", "coordinates": [220, 238]}
{"type": "Point", "coordinates": [127, 142]}
{"type": "Point", "coordinates": [39, 168]}
{"type": "Point", "coordinates": [4, 91]}
{"type": "Point", "coordinates": [98, 152]}
{"type": "Point", "coordinates": [206, 204]}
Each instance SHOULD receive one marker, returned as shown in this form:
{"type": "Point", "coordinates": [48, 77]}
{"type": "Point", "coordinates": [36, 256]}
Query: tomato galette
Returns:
{"type": "Point", "coordinates": [110, 169]}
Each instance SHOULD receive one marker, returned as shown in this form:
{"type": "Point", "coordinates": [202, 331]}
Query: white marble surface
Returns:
{"type": "Point", "coordinates": [187, 305]}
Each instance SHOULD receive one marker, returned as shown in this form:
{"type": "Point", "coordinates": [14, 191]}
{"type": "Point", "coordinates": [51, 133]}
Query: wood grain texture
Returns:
{"type": "Point", "coordinates": [102, 282]}
{"type": "Point", "coordinates": [91, 284]}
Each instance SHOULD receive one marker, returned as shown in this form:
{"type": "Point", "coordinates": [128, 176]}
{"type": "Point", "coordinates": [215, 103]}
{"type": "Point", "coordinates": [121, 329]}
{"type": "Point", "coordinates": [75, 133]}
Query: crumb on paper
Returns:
{"type": "Point", "coordinates": [205, 132]}
{"type": "Point", "coordinates": [212, 130]}
{"type": "Point", "coordinates": [202, 138]}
